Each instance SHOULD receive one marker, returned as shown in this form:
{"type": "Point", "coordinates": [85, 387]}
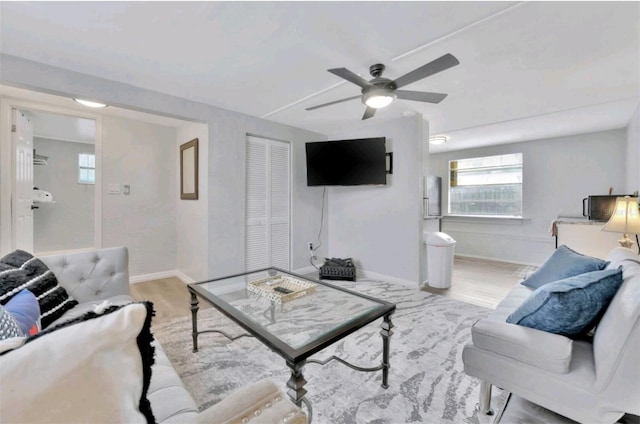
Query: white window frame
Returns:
{"type": "Point", "coordinates": [80, 168]}
{"type": "Point", "coordinates": [487, 197]}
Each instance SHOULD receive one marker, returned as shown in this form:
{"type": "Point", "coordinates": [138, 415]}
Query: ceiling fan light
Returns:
{"type": "Point", "coordinates": [438, 139]}
{"type": "Point", "coordinates": [378, 102]}
{"type": "Point", "coordinates": [379, 98]}
{"type": "Point", "coordinates": [90, 103]}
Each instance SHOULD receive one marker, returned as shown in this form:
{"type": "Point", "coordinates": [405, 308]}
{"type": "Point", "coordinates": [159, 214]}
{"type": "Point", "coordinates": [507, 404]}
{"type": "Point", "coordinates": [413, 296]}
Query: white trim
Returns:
{"type": "Point", "coordinates": [163, 274]}
{"type": "Point", "coordinates": [153, 276]}
{"type": "Point", "coordinates": [544, 240]}
{"type": "Point", "coordinates": [184, 277]}
{"type": "Point", "coordinates": [487, 258]}
{"type": "Point", "coordinates": [306, 270]}
{"type": "Point", "coordinates": [488, 219]}
{"type": "Point", "coordinates": [389, 279]}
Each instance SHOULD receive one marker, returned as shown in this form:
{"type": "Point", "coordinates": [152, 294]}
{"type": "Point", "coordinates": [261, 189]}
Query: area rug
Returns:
{"type": "Point", "coordinates": [427, 382]}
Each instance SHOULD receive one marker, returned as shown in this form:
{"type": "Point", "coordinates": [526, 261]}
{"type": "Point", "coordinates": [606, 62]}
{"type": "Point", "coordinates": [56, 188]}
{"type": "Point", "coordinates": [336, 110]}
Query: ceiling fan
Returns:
{"type": "Point", "coordinates": [380, 92]}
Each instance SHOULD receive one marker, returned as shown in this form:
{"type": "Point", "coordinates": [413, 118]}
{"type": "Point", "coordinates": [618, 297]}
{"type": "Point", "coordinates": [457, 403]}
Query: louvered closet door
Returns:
{"type": "Point", "coordinates": [267, 232]}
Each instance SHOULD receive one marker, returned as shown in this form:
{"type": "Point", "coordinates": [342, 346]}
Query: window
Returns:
{"type": "Point", "coordinates": [486, 186]}
{"type": "Point", "coordinates": [86, 168]}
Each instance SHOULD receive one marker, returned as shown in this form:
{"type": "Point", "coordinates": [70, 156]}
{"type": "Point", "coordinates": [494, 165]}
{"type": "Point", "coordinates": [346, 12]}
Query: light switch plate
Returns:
{"type": "Point", "coordinates": [114, 188]}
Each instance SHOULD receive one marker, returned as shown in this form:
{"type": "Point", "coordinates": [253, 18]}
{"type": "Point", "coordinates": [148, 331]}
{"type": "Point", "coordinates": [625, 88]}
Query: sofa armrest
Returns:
{"type": "Point", "coordinates": [260, 403]}
{"type": "Point", "coordinates": [92, 275]}
{"type": "Point", "coordinates": [550, 352]}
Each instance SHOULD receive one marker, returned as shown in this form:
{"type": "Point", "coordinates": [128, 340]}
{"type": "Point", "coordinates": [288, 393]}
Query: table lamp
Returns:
{"type": "Point", "coordinates": [625, 219]}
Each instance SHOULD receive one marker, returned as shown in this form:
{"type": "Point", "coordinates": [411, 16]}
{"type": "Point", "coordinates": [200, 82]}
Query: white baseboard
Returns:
{"type": "Point", "coordinates": [487, 258]}
{"type": "Point", "coordinates": [305, 270]}
{"type": "Point", "coordinates": [184, 277]}
{"type": "Point", "coordinates": [153, 276]}
{"type": "Point", "coordinates": [390, 279]}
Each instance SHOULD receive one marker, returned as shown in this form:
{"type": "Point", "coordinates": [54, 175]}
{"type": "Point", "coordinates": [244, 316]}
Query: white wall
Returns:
{"type": "Point", "coordinates": [633, 153]}
{"type": "Point", "coordinates": [191, 215]}
{"type": "Point", "coordinates": [380, 227]}
{"type": "Point", "coordinates": [68, 223]}
{"type": "Point", "coordinates": [141, 155]}
{"type": "Point", "coordinates": [227, 138]}
{"type": "Point", "coordinates": [558, 173]}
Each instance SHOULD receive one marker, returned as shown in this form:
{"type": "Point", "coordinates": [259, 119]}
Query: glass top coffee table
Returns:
{"type": "Point", "coordinates": [294, 316]}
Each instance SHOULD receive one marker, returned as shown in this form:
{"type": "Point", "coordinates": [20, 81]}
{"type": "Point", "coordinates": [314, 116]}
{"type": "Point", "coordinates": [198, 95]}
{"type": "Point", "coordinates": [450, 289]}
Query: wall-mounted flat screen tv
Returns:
{"type": "Point", "coordinates": [347, 162]}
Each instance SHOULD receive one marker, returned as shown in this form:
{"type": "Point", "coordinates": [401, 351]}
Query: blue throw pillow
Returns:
{"type": "Point", "coordinates": [563, 263]}
{"type": "Point", "coordinates": [570, 307]}
{"type": "Point", "coordinates": [25, 309]}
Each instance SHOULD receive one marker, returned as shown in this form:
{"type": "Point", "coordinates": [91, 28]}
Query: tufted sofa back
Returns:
{"type": "Point", "coordinates": [92, 275]}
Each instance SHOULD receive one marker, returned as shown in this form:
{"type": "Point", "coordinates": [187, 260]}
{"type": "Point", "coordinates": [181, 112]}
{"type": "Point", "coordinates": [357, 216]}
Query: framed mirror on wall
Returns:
{"type": "Point", "coordinates": [189, 170]}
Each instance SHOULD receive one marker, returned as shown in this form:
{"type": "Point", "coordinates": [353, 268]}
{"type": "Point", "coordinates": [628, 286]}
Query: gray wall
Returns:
{"type": "Point", "coordinates": [633, 153]}
{"type": "Point", "coordinates": [227, 134]}
{"type": "Point", "coordinates": [557, 174]}
{"type": "Point", "coordinates": [141, 155]}
{"type": "Point", "coordinates": [381, 226]}
{"type": "Point", "coordinates": [192, 247]}
{"type": "Point", "coordinates": [68, 223]}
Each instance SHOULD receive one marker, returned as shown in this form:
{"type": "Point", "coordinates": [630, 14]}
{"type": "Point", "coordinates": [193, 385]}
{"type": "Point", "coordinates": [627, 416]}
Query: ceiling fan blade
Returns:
{"type": "Point", "coordinates": [440, 64]}
{"type": "Point", "coordinates": [420, 96]}
{"type": "Point", "coordinates": [368, 113]}
{"type": "Point", "coordinates": [333, 102]}
{"type": "Point", "coordinates": [344, 73]}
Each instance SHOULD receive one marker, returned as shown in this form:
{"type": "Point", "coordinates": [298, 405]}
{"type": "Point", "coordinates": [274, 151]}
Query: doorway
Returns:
{"type": "Point", "coordinates": [51, 209]}
{"type": "Point", "coordinates": [64, 177]}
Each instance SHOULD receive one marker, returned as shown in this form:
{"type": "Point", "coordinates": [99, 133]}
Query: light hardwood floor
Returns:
{"type": "Point", "coordinates": [482, 282]}
{"type": "Point", "coordinates": [170, 298]}
{"type": "Point", "coordinates": [475, 281]}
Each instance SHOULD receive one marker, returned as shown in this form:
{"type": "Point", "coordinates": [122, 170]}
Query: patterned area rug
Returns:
{"type": "Point", "coordinates": [427, 384]}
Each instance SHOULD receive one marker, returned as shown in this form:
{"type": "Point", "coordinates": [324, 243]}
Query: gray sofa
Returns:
{"type": "Point", "coordinates": [590, 381]}
{"type": "Point", "coordinates": [95, 276]}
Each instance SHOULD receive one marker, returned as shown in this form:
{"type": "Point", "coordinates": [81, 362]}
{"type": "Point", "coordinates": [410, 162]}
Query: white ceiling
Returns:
{"type": "Point", "coordinates": [527, 70]}
{"type": "Point", "coordinates": [61, 118]}
{"type": "Point", "coordinates": [55, 126]}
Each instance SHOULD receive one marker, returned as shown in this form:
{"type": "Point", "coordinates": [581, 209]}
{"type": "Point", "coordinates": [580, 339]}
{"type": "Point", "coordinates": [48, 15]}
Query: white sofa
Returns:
{"type": "Point", "coordinates": [98, 275]}
{"type": "Point", "coordinates": [595, 381]}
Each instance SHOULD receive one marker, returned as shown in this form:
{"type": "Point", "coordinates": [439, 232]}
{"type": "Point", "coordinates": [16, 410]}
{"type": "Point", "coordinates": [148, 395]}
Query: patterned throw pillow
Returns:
{"type": "Point", "coordinates": [25, 309]}
{"type": "Point", "coordinates": [20, 270]}
{"type": "Point", "coordinates": [8, 325]}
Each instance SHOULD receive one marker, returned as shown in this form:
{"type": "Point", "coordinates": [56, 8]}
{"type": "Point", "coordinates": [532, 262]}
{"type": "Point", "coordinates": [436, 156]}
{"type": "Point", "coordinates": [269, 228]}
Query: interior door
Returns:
{"type": "Point", "coordinates": [22, 197]}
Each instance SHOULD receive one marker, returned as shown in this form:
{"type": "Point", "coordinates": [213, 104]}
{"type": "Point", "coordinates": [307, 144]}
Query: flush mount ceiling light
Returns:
{"type": "Point", "coordinates": [378, 98]}
{"type": "Point", "coordinates": [89, 103]}
{"type": "Point", "coordinates": [438, 139]}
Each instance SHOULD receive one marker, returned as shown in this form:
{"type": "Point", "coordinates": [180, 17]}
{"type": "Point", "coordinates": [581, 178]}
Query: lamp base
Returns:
{"type": "Point", "coordinates": [626, 242]}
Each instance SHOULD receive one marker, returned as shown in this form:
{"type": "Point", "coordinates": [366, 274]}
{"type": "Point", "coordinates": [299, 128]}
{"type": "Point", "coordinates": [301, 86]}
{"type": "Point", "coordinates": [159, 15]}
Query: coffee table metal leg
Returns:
{"type": "Point", "coordinates": [296, 386]}
{"type": "Point", "coordinates": [386, 333]}
{"type": "Point", "coordinates": [194, 320]}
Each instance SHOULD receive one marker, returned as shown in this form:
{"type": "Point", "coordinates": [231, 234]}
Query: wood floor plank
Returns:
{"type": "Point", "coordinates": [170, 298]}
{"type": "Point", "coordinates": [477, 281]}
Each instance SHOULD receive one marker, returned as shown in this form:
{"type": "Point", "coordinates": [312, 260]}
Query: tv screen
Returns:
{"type": "Point", "coordinates": [347, 162]}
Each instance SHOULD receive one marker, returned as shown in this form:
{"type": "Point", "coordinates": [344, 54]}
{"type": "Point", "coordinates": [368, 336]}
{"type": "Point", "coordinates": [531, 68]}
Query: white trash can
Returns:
{"type": "Point", "coordinates": [440, 248]}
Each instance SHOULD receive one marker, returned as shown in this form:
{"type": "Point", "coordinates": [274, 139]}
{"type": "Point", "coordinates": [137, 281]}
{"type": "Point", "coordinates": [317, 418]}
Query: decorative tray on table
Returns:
{"type": "Point", "coordinates": [281, 288]}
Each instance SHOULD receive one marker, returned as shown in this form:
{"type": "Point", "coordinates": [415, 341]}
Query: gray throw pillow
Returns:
{"type": "Point", "coordinates": [570, 307]}
{"type": "Point", "coordinates": [563, 263]}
